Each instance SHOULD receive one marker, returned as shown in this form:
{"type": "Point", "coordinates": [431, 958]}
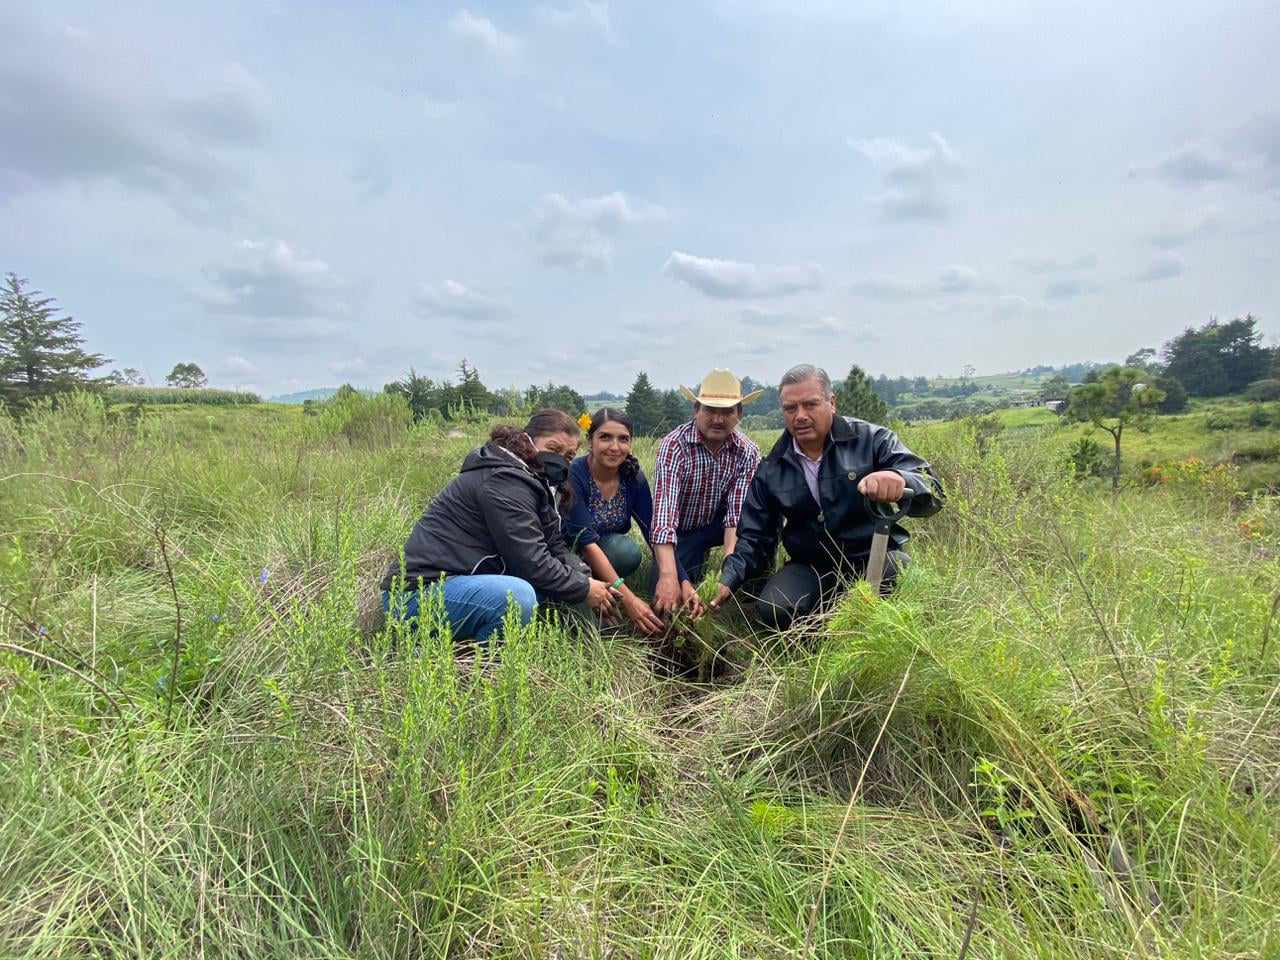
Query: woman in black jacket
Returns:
{"type": "Point", "coordinates": [493, 536]}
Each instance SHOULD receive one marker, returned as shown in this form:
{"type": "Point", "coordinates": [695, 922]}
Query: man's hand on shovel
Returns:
{"type": "Point", "coordinates": [883, 486]}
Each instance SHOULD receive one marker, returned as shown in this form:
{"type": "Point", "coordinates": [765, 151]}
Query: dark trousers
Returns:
{"type": "Point", "coordinates": [798, 589]}
{"type": "Point", "coordinates": [692, 547]}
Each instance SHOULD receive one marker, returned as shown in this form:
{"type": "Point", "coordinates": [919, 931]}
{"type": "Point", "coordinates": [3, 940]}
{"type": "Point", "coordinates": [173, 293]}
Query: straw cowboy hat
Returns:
{"type": "Point", "coordinates": [720, 388]}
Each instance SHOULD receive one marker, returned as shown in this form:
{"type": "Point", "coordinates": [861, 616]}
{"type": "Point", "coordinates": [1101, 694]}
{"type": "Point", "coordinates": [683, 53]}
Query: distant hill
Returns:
{"type": "Point", "coordinates": [319, 393]}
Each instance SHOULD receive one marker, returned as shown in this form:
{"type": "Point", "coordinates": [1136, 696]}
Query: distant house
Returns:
{"type": "Point", "coordinates": [1057, 406]}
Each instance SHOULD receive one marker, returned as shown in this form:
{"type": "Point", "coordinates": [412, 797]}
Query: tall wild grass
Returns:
{"type": "Point", "coordinates": [1061, 737]}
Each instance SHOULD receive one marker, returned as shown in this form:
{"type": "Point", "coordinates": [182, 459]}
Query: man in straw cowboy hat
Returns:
{"type": "Point", "coordinates": [814, 490]}
{"type": "Point", "coordinates": [703, 470]}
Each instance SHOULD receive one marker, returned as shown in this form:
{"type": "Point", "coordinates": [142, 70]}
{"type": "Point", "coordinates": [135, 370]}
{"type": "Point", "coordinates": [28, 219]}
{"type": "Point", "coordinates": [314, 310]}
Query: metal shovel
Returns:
{"type": "Point", "coordinates": [885, 514]}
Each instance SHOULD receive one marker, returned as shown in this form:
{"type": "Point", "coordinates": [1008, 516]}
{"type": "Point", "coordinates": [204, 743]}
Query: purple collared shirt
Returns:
{"type": "Point", "coordinates": [811, 468]}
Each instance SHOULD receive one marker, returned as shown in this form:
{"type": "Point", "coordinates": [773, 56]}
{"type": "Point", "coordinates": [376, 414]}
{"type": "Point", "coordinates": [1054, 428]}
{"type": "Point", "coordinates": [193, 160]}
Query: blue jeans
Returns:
{"type": "Point", "coordinates": [623, 553]}
{"type": "Point", "coordinates": [475, 605]}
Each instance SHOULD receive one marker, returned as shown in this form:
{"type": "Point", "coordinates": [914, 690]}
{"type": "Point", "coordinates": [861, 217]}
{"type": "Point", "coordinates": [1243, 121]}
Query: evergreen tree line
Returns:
{"type": "Point", "coordinates": [1213, 360]}
{"type": "Point", "coordinates": [42, 354]}
{"type": "Point", "coordinates": [468, 398]}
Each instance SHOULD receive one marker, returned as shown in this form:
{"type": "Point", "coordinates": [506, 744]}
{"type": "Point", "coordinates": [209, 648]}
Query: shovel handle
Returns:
{"type": "Point", "coordinates": [885, 514]}
{"type": "Point", "coordinates": [890, 511]}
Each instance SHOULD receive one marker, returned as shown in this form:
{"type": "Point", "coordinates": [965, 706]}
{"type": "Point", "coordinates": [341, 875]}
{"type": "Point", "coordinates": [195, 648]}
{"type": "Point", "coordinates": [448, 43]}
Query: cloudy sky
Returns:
{"type": "Point", "coordinates": [297, 194]}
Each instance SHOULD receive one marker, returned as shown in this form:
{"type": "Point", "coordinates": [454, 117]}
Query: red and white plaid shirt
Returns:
{"type": "Point", "coordinates": [691, 485]}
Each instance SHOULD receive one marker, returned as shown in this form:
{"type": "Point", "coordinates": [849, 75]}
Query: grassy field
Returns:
{"type": "Point", "coordinates": [1060, 738]}
{"type": "Point", "coordinates": [1245, 437]}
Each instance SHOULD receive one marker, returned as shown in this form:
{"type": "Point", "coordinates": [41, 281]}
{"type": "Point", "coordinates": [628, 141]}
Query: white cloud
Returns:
{"type": "Point", "coordinates": [952, 281]}
{"type": "Point", "coordinates": [756, 317]}
{"type": "Point", "coordinates": [1261, 140]}
{"type": "Point", "coordinates": [915, 178]}
{"type": "Point", "coordinates": [731, 280]}
{"type": "Point", "coordinates": [77, 109]}
{"type": "Point", "coordinates": [1164, 267]}
{"type": "Point", "coordinates": [452, 300]}
{"type": "Point", "coordinates": [277, 295]}
{"type": "Point", "coordinates": [580, 234]}
{"type": "Point", "coordinates": [239, 367]}
{"type": "Point", "coordinates": [482, 31]}
{"type": "Point", "coordinates": [885, 289]}
{"type": "Point", "coordinates": [1042, 265]}
{"type": "Point", "coordinates": [1179, 233]}
{"type": "Point", "coordinates": [231, 110]}
{"type": "Point", "coordinates": [958, 279]}
{"type": "Point", "coordinates": [843, 330]}
{"type": "Point", "coordinates": [1009, 306]}
{"type": "Point", "coordinates": [583, 14]}
{"type": "Point", "coordinates": [1066, 288]}
{"type": "Point", "coordinates": [352, 366]}
{"type": "Point", "coordinates": [1192, 165]}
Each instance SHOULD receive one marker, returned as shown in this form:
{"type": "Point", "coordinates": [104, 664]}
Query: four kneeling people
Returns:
{"type": "Point", "coordinates": [520, 524]}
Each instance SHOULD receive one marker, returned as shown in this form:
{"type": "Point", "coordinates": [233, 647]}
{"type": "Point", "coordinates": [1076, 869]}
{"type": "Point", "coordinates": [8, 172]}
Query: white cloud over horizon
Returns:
{"type": "Point", "coordinates": [452, 300]}
{"type": "Point", "coordinates": [916, 179]}
{"type": "Point", "coordinates": [733, 280]}
{"type": "Point", "coordinates": [580, 235]}
{"type": "Point", "coordinates": [578, 190]}
{"type": "Point", "coordinates": [484, 33]}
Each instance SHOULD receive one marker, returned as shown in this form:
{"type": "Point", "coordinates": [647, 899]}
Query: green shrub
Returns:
{"type": "Point", "coordinates": [1088, 459]}
{"type": "Point", "coordinates": [1218, 421]}
{"type": "Point", "coordinates": [368, 421]}
{"type": "Point", "coordinates": [77, 420]}
{"type": "Point", "coordinates": [1265, 449]}
{"type": "Point", "coordinates": [1263, 391]}
{"type": "Point", "coordinates": [1260, 417]}
{"type": "Point", "coordinates": [1175, 394]}
{"type": "Point", "coordinates": [169, 395]}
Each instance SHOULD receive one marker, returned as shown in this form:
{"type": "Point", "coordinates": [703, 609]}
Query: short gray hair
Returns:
{"type": "Point", "coordinates": [806, 371]}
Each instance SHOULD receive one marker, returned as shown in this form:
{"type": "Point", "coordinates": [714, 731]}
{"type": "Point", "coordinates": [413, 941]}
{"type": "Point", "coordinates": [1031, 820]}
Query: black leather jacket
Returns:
{"type": "Point", "coordinates": [837, 531]}
{"type": "Point", "coordinates": [496, 516]}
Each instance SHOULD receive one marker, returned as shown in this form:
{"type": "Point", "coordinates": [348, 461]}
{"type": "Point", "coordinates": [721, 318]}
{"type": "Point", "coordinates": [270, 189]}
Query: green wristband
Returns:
{"type": "Point", "coordinates": [616, 584]}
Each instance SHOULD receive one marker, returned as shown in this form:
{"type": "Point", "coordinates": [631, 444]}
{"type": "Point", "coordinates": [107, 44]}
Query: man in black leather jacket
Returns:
{"type": "Point", "coordinates": [812, 488]}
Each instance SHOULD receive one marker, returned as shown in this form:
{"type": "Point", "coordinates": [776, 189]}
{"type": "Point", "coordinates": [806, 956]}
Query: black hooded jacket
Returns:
{"type": "Point", "coordinates": [496, 516]}
{"type": "Point", "coordinates": [838, 530]}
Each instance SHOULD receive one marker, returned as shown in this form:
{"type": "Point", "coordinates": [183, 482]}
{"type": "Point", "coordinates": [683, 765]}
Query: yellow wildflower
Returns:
{"type": "Point", "coordinates": [584, 421]}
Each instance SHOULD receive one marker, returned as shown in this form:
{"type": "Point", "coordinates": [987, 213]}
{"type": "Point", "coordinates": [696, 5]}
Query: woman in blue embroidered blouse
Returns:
{"type": "Point", "coordinates": [609, 491]}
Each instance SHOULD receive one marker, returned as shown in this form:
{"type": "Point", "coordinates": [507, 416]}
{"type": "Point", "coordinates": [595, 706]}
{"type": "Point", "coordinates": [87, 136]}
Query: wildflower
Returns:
{"type": "Point", "coordinates": [214, 618]}
{"type": "Point", "coordinates": [42, 631]}
{"type": "Point", "coordinates": [584, 421]}
{"type": "Point", "coordinates": [264, 576]}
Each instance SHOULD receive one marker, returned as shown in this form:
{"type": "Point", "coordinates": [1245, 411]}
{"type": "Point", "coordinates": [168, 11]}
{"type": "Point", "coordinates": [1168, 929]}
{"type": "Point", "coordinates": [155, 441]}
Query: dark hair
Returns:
{"type": "Point", "coordinates": [544, 423]}
{"type": "Point", "coordinates": [630, 466]}
{"type": "Point", "coordinates": [807, 371]}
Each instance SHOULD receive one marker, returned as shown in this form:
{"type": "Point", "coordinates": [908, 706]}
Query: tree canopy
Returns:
{"type": "Point", "coordinates": [187, 376]}
{"type": "Point", "coordinates": [41, 353]}
{"type": "Point", "coordinates": [1218, 358]}
{"type": "Point", "coordinates": [1118, 398]}
{"type": "Point", "coordinates": [856, 397]}
{"type": "Point", "coordinates": [644, 407]}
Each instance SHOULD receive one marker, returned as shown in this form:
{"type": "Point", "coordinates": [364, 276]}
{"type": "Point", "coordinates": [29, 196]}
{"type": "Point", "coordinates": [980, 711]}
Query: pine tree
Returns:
{"type": "Point", "coordinates": [644, 406]}
{"type": "Point", "coordinates": [40, 353]}
{"type": "Point", "coordinates": [1119, 398]}
{"type": "Point", "coordinates": [471, 395]}
{"type": "Point", "coordinates": [675, 410]}
{"type": "Point", "coordinates": [855, 397]}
